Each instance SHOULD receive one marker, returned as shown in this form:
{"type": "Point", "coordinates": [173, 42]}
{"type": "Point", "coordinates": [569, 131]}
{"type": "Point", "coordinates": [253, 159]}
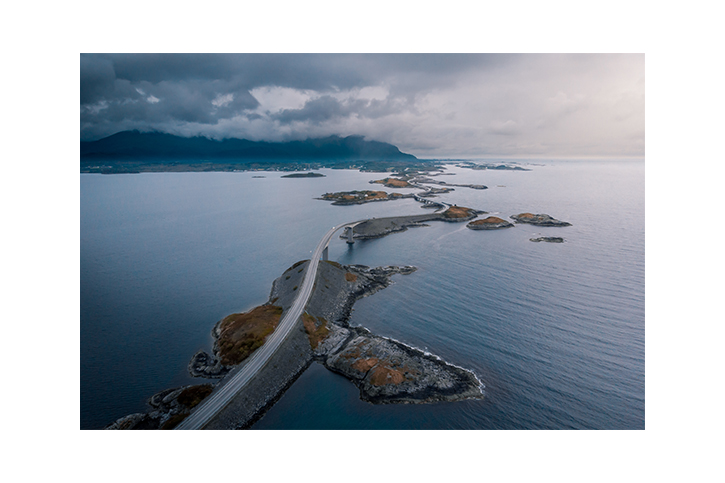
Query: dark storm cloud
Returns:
{"type": "Point", "coordinates": [154, 91]}
{"type": "Point", "coordinates": [440, 103]}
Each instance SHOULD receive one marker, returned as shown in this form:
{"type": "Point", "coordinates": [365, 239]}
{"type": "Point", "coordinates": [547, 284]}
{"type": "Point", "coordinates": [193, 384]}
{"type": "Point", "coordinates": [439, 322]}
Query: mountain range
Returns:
{"type": "Point", "coordinates": [135, 145]}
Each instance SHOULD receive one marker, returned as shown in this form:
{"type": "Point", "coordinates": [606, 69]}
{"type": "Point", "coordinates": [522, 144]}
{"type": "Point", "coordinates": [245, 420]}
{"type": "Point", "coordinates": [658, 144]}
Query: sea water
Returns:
{"type": "Point", "coordinates": [555, 331]}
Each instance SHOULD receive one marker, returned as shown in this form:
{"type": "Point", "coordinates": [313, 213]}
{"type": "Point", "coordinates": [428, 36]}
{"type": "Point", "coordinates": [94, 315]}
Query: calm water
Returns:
{"type": "Point", "coordinates": [555, 331]}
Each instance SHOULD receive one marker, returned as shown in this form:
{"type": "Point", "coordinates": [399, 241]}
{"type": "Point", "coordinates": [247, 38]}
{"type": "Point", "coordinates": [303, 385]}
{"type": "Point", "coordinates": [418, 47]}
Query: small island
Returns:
{"type": "Point", "coordinates": [499, 167]}
{"type": "Point", "coordinates": [360, 197]}
{"type": "Point", "coordinates": [549, 239]}
{"type": "Point", "coordinates": [538, 219]}
{"type": "Point", "coordinates": [304, 175]}
{"type": "Point", "coordinates": [490, 223]}
{"type": "Point", "coordinates": [393, 183]}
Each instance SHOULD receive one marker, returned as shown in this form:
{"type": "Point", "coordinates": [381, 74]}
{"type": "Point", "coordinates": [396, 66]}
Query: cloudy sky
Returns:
{"type": "Point", "coordinates": [441, 105]}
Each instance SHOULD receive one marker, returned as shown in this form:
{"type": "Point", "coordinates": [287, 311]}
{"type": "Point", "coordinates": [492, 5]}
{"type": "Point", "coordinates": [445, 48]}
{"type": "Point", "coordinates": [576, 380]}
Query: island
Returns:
{"type": "Point", "coordinates": [393, 183]}
{"type": "Point", "coordinates": [304, 175]}
{"type": "Point", "coordinates": [500, 167]}
{"type": "Point", "coordinates": [490, 223]}
{"type": "Point", "coordinates": [360, 197]}
{"type": "Point", "coordinates": [538, 219]}
{"type": "Point", "coordinates": [549, 239]}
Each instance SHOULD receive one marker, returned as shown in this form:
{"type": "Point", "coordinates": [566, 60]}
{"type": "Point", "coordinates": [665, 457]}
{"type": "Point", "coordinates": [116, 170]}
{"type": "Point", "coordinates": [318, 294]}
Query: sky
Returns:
{"type": "Point", "coordinates": [429, 105]}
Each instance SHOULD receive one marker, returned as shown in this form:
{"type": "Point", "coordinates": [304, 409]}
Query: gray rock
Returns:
{"type": "Point", "coordinates": [538, 219]}
{"type": "Point", "coordinates": [550, 239]}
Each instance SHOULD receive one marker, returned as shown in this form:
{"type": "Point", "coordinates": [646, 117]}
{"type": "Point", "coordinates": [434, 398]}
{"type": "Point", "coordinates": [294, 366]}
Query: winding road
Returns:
{"type": "Point", "coordinates": [219, 399]}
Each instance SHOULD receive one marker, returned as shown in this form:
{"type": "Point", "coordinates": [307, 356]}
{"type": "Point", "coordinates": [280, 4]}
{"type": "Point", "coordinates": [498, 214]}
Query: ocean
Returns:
{"type": "Point", "coordinates": [556, 332]}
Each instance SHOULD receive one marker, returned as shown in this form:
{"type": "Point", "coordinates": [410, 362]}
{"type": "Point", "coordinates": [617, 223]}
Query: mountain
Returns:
{"type": "Point", "coordinates": [135, 145]}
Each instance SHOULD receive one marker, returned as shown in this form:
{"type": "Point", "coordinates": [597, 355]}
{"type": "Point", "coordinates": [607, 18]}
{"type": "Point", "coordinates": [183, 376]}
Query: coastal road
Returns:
{"type": "Point", "coordinates": [219, 399]}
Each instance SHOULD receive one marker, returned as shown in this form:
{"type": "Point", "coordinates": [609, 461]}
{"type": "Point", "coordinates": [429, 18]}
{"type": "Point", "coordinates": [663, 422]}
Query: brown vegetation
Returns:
{"type": "Point", "coordinates": [316, 328]}
{"type": "Point", "coordinates": [364, 365]}
{"type": "Point", "coordinates": [490, 220]}
{"type": "Point", "coordinates": [458, 212]}
{"type": "Point", "coordinates": [191, 396]}
{"type": "Point", "coordinates": [242, 334]}
{"type": "Point", "coordinates": [386, 373]}
{"type": "Point", "coordinates": [365, 195]}
{"type": "Point", "coordinates": [393, 183]}
{"type": "Point", "coordinates": [174, 420]}
{"type": "Point", "coordinates": [350, 277]}
{"type": "Point", "coordinates": [526, 215]}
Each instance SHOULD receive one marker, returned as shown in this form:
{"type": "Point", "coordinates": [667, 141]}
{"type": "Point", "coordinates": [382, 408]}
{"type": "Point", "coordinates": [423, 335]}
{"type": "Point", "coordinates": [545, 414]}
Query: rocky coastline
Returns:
{"type": "Point", "coordinates": [384, 370]}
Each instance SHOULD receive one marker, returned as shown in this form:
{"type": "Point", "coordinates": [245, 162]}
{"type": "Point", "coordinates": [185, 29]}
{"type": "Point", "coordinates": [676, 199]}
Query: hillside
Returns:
{"type": "Point", "coordinates": [134, 145]}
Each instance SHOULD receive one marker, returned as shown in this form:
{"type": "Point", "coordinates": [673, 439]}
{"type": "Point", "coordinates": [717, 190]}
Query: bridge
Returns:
{"type": "Point", "coordinates": [221, 397]}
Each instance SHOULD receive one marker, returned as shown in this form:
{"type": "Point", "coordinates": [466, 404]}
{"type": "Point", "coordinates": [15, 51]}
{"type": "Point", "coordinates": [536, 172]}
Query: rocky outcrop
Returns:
{"type": "Point", "coordinates": [387, 371]}
{"type": "Point", "coordinates": [538, 219]}
{"type": "Point", "coordinates": [549, 239]}
{"type": "Point", "coordinates": [490, 223]}
{"type": "Point", "coordinates": [168, 408]}
{"type": "Point", "coordinates": [205, 365]}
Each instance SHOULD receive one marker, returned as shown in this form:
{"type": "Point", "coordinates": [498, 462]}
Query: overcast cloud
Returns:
{"type": "Point", "coordinates": [429, 105]}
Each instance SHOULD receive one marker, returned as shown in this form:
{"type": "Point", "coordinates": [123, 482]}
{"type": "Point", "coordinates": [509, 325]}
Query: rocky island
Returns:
{"type": "Point", "coordinates": [360, 197]}
{"type": "Point", "coordinates": [304, 175]}
{"type": "Point", "coordinates": [490, 223]}
{"type": "Point", "coordinates": [549, 239]}
{"type": "Point", "coordinates": [393, 183]}
{"type": "Point", "coordinates": [538, 220]}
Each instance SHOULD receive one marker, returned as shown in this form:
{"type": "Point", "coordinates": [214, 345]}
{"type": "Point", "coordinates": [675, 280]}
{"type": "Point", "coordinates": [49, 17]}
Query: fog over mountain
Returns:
{"type": "Point", "coordinates": [428, 105]}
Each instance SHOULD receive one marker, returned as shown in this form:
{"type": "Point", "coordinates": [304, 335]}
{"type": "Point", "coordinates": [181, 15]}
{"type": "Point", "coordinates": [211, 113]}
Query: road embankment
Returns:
{"type": "Point", "coordinates": [385, 371]}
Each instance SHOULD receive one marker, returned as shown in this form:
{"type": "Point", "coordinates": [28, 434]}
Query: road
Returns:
{"type": "Point", "coordinates": [219, 399]}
